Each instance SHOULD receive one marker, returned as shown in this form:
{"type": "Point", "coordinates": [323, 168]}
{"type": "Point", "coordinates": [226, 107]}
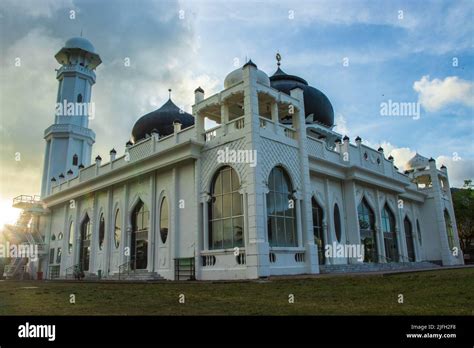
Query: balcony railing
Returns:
{"type": "Point", "coordinates": [211, 134]}
{"type": "Point", "coordinates": [26, 199]}
{"type": "Point", "coordinates": [237, 124]}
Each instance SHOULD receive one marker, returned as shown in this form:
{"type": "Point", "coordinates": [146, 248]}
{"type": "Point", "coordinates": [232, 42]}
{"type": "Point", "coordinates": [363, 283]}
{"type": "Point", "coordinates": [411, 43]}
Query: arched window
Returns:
{"type": "Point", "coordinates": [337, 222]}
{"type": "Point", "coordinates": [164, 220]}
{"type": "Point", "coordinates": [418, 230]}
{"type": "Point", "coordinates": [101, 231]}
{"type": "Point", "coordinates": [139, 242]}
{"type": "Point", "coordinates": [85, 249]}
{"type": "Point", "coordinates": [281, 220]}
{"type": "Point", "coordinates": [53, 237]}
{"type": "Point", "coordinates": [367, 231]}
{"type": "Point", "coordinates": [449, 229]}
{"type": "Point", "coordinates": [60, 236]}
{"type": "Point", "coordinates": [226, 223]}
{"type": "Point", "coordinates": [389, 234]}
{"type": "Point", "coordinates": [79, 98]}
{"type": "Point", "coordinates": [75, 160]}
{"type": "Point", "coordinates": [71, 237]}
{"type": "Point", "coordinates": [409, 239]}
{"type": "Point", "coordinates": [318, 229]}
{"type": "Point", "coordinates": [117, 228]}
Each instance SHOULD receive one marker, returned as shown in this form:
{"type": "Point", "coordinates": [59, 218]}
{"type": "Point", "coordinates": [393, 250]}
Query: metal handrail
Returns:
{"type": "Point", "coordinates": [125, 268]}
{"type": "Point", "coordinates": [72, 269]}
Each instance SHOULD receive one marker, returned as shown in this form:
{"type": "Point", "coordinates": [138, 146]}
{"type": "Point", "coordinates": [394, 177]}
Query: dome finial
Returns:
{"type": "Point", "coordinates": [278, 58]}
{"type": "Point", "coordinates": [81, 32]}
{"type": "Point", "coordinates": [169, 93]}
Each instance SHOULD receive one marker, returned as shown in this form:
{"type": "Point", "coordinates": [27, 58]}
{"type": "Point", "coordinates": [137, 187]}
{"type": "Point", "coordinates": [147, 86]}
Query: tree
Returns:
{"type": "Point", "coordinates": [463, 202]}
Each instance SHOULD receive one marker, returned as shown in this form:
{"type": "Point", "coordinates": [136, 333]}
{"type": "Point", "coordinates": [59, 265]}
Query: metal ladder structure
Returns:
{"type": "Point", "coordinates": [24, 234]}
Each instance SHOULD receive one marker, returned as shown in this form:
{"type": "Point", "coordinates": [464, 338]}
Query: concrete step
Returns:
{"type": "Point", "coordinates": [137, 275]}
{"type": "Point", "coordinates": [376, 267]}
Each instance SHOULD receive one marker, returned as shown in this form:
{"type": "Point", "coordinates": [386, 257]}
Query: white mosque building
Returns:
{"type": "Point", "coordinates": [271, 190]}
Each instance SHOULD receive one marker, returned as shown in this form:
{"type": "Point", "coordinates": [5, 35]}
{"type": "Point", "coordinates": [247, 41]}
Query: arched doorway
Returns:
{"type": "Point", "coordinates": [389, 235]}
{"type": "Point", "coordinates": [318, 229]}
{"type": "Point", "coordinates": [367, 231]}
{"type": "Point", "coordinates": [85, 244]}
{"type": "Point", "coordinates": [409, 239]}
{"type": "Point", "coordinates": [139, 238]}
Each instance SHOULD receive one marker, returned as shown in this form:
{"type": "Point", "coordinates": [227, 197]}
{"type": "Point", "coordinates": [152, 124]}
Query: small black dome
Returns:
{"type": "Point", "coordinates": [161, 121]}
{"type": "Point", "coordinates": [315, 101]}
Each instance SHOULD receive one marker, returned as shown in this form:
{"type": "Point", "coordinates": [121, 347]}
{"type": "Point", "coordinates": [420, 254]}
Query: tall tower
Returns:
{"type": "Point", "coordinates": [69, 140]}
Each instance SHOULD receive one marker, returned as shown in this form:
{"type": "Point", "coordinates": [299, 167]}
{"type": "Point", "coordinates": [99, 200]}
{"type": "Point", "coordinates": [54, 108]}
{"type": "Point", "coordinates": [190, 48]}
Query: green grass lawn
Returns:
{"type": "Point", "coordinates": [441, 292]}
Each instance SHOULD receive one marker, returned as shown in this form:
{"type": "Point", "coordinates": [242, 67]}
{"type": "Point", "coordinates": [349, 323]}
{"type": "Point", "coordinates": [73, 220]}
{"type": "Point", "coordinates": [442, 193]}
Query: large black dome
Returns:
{"type": "Point", "coordinates": [161, 121]}
{"type": "Point", "coordinates": [315, 101]}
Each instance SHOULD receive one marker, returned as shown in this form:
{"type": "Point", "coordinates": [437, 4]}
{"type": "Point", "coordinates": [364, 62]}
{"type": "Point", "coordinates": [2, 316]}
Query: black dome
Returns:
{"type": "Point", "coordinates": [315, 101]}
{"type": "Point", "coordinates": [161, 121]}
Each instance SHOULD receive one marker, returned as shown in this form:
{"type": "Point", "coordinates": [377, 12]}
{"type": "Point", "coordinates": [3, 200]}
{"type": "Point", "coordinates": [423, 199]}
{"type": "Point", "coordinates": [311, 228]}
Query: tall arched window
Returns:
{"type": "Point", "coordinates": [117, 228]}
{"type": "Point", "coordinates": [85, 249]}
{"type": "Point", "coordinates": [164, 220]}
{"type": "Point", "coordinates": [226, 223]}
{"type": "Point", "coordinates": [409, 239]}
{"type": "Point", "coordinates": [71, 237]}
{"type": "Point", "coordinates": [449, 229]}
{"type": "Point", "coordinates": [367, 231]}
{"type": "Point", "coordinates": [79, 98]}
{"type": "Point", "coordinates": [281, 210]}
{"type": "Point", "coordinates": [318, 229]}
{"type": "Point", "coordinates": [389, 234]}
{"type": "Point", "coordinates": [101, 231]}
{"type": "Point", "coordinates": [337, 222]}
{"type": "Point", "coordinates": [139, 242]}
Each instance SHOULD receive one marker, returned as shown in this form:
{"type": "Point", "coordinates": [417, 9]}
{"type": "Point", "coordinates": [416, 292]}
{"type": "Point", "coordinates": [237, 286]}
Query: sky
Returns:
{"type": "Point", "coordinates": [359, 53]}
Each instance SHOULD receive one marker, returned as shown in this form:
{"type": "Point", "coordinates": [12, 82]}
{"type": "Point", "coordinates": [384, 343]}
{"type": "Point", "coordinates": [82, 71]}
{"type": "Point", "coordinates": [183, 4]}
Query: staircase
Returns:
{"type": "Point", "coordinates": [15, 269]}
{"type": "Point", "coordinates": [377, 267]}
{"type": "Point", "coordinates": [137, 275]}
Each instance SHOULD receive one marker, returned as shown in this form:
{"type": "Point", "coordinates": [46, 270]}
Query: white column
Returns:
{"type": "Point", "coordinates": [205, 220]}
{"type": "Point", "coordinates": [224, 117]}
{"type": "Point", "coordinates": [299, 228]}
{"type": "Point", "coordinates": [109, 232]}
{"type": "Point", "coordinates": [378, 229]}
{"type": "Point", "coordinates": [274, 113]}
{"type": "Point", "coordinates": [126, 228]}
{"type": "Point", "coordinates": [152, 246]}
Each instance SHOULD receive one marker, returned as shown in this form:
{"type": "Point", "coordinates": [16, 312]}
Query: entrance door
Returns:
{"type": "Point", "coordinates": [85, 247]}
{"type": "Point", "coordinates": [139, 242]}
{"type": "Point", "coordinates": [409, 240]}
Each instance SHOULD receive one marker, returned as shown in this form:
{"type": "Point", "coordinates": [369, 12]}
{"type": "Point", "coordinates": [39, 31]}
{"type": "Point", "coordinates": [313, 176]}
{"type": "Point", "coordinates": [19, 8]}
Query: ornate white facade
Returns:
{"type": "Point", "coordinates": [156, 210]}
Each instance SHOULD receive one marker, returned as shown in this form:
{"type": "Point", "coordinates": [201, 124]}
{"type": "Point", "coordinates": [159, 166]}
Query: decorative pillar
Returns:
{"type": "Point", "coordinates": [274, 113]}
{"type": "Point", "coordinates": [205, 199]}
{"type": "Point", "coordinates": [224, 117]}
{"type": "Point", "coordinates": [378, 229]}
{"type": "Point", "coordinates": [152, 247]}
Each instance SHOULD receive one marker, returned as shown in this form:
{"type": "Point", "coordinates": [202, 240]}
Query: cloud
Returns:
{"type": "Point", "coordinates": [37, 8]}
{"type": "Point", "coordinates": [459, 169]}
{"type": "Point", "coordinates": [436, 94]}
{"type": "Point", "coordinates": [162, 52]}
{"type": "Point", "coordinates": [341, 125]}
